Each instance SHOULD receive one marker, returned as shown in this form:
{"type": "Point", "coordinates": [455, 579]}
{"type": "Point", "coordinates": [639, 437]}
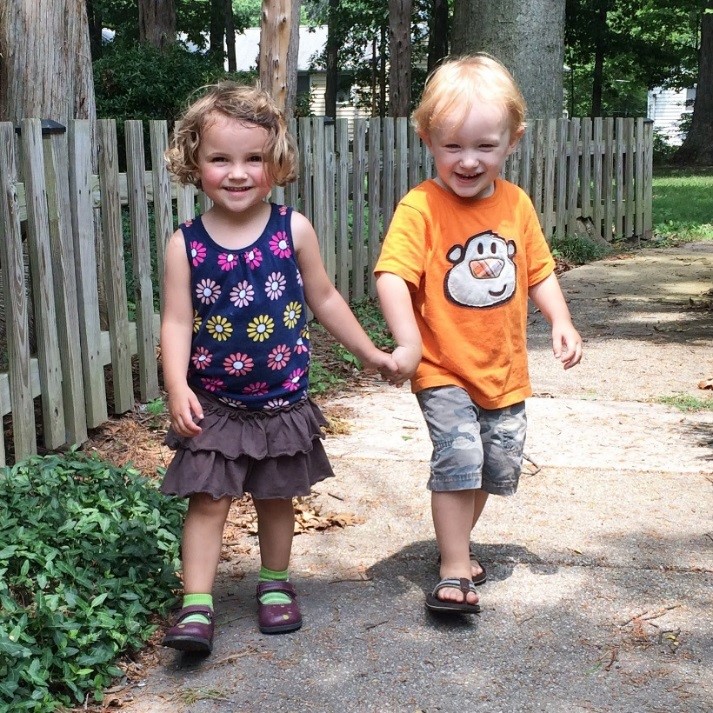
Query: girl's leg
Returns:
{"type": "Point", "coordinates": [452, 519]}
{"type": "Point", "coordinates": [202, 541]}
{"type": "Point", "coordinates": [275, 528]}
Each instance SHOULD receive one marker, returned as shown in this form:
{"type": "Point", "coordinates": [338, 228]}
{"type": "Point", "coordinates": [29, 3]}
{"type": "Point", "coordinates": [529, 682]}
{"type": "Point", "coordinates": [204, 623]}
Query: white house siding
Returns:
{"type": "Point", "coordinates": [666, 107]}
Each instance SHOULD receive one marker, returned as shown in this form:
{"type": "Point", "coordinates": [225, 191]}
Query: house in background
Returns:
{"type": "Point", "coordinates": [666, 107]}
{"type": "Point", "coordinates": [310, 81]}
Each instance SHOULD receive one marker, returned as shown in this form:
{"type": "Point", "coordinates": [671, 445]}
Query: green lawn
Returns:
{"type": "Point", "coordinates": [683, 204]}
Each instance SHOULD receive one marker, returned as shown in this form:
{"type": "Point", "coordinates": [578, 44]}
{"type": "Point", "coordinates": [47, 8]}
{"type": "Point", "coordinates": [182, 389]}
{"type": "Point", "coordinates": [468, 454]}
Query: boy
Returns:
{"type": "Point", "coordinates": [460, 259]}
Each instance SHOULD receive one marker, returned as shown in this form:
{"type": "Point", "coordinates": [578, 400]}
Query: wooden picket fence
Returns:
{"type": "Point", "coordinates": [71, 333]}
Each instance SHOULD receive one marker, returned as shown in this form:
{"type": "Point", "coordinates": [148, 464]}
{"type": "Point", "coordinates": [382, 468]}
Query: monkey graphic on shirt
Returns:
{"type": "Point", "coordinates": [483, 272]}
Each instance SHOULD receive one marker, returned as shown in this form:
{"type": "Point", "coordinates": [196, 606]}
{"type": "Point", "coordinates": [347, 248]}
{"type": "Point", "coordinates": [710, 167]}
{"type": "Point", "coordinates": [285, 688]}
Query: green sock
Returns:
{"type": "Point", "coordinates": [190, 600]}
{"type": "Point", "coordinates": [270, 575]}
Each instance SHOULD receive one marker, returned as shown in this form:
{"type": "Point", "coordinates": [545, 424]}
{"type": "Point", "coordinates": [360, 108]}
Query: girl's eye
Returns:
{"type": "Point", "coordinates": [256, 159]}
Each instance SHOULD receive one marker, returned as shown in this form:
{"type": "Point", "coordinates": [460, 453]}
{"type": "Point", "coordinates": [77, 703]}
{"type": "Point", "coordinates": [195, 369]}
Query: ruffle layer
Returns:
{"type": "Point", "coordinates": [269, 456]}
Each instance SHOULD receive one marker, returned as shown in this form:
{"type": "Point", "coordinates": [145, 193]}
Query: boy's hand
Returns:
{"type": "Point", "coordinates": [566, 344]}
{"type": "Point", "coordinates": [185, 409]}
{"type": "Point", "coordinates": [407, 360]}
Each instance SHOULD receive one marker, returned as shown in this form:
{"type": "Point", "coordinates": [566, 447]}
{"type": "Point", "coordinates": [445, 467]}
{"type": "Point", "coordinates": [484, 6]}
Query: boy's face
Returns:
{"type": "Point", "coordinates": [469, 157]}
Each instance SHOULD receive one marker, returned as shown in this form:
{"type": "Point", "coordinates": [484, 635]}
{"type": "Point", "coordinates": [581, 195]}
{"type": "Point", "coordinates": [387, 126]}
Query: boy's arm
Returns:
{"type": "Point", "coordinates": [396, 304]}
{"type": "Point", "coordinates": [566, 342]}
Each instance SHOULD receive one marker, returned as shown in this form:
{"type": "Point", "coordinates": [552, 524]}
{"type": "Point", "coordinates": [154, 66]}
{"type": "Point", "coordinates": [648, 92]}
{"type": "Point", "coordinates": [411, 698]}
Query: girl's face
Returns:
{"type": "Point", "coordinates": [231, 164]}
{"type": "Point", "coordinates": [469, 157]}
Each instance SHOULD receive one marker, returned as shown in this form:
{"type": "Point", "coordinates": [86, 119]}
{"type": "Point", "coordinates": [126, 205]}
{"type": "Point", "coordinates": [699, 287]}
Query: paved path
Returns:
{"type": "Point", "coordinates": [600, 568]}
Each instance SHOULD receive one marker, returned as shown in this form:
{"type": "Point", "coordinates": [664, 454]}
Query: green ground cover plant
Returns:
{"type": "Point", "coordinates": [688, 404]}
{"type": "Point", "coordinates": [88, 561]}
{"type": "Point", "coordinates": [683, 204]}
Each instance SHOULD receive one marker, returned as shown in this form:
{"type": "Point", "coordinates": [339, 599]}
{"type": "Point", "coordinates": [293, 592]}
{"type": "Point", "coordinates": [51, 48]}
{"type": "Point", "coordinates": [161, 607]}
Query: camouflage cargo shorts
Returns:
{"type": "Point", "coordinates": [473, 448]}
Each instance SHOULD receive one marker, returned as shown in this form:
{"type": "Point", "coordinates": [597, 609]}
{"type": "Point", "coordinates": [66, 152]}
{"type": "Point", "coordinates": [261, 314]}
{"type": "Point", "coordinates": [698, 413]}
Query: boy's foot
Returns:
{"type": "Point", "coordinates": [477, 572]}
{"type": "Point", "coordinates": [467, 603]}
{"type": "Point", "coordinates": [278, 618]}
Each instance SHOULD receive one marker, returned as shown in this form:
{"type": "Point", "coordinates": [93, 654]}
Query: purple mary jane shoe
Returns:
{"type": "Point", "coordinates": [278, 618]}
{"type": "Point", "coordinates": [192, 636]}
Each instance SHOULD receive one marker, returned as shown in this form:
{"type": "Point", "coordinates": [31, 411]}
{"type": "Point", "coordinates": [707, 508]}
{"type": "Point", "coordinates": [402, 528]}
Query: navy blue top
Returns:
{"type": "Point", "coordinates": [250, 344]}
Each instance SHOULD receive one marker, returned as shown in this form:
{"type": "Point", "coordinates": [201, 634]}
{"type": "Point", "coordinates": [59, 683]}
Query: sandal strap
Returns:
{"type": "Point", "coordinates": [283, 587]}
{"type": "Point", "coordinates": [463, 583]}
{"type": "Point", "coordinates": [206, 611]}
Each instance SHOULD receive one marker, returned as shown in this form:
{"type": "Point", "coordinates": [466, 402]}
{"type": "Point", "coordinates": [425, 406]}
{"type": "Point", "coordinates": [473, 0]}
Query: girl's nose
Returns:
{"type": "Point", "coordinates": [237, 170]}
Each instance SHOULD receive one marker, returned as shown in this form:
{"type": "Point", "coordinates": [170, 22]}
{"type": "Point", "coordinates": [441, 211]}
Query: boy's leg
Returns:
{"type": "Point", "coordinates": [452, 519]}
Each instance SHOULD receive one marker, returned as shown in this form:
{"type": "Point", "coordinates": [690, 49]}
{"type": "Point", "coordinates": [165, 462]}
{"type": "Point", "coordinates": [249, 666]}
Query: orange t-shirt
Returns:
{"type": "Point", "coordinates": [469, 265]}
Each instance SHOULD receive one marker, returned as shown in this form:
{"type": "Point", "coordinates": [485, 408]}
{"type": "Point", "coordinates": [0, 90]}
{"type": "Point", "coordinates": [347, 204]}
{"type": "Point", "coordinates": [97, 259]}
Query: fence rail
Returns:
{"type": "Point", "coordinates": [74, 332]}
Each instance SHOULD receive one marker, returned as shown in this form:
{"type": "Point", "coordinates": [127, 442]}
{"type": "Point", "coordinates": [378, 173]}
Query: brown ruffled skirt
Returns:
{"type": "Point", "coordinates": [277, 455]}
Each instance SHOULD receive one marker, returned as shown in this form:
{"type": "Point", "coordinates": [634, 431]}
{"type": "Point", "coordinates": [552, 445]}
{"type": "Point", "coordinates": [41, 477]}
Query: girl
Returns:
{"type": "Point", "coordinates": [235, 349]}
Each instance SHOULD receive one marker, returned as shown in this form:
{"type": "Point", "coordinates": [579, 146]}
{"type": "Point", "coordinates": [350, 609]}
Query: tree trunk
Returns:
{"type": "Point", "coordinates": [217, 30]}
{"type": "Point", "coordinates": [332, 61]}
{"type": "Point", "coordinates": [600, 44]}
{"type": "Point", "coordinates": [400, 57]}
{"type": "Point", "coordinates": [230, 36]}
{"type": "Point", "coordinates": [527, 36]}
{"type": "Point", "coordinates": [697, 148]}
{"type": "Point", "coordinates": [94, 18]}
{"type": "Point", "coordinates": [157, 22]}
{"type": "Point", "coordinates": [438, 34]}
{"type": "Point", "coordinates": [279, 43]}
{"type": "Point", "coordinates": [46, 69]}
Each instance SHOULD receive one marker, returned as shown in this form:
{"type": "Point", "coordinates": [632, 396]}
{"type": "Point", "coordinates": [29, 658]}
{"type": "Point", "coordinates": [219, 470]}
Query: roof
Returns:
{"type": "Point", "coordinates": [247, 47]}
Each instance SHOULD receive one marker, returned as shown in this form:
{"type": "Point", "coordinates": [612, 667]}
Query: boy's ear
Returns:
{"type": "Point", "coordinates": [515, 139]}
{"type": "Point", "coordinates": [423, 135]}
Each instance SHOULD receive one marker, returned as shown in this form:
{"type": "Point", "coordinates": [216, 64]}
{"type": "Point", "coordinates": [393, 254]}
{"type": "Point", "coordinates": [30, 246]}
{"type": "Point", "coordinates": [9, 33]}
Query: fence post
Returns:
{"type": "Point", "coordinates": [80, 177]}
{"type": "Point", "coordinates": [65, 283]}
{"type": "Point", "coordinates": [49, 362]}
{"type": "Point", "coordinates": [15, 299]}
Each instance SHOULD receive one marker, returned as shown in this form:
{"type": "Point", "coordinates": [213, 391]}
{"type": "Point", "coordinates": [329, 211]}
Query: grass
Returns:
{"type": "Point", "coordinates": [683, 204]}
{"type": "Point", "coordinates": [689, 404]}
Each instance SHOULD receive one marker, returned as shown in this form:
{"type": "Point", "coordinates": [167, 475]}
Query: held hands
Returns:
{"type": "Point", "coordinates": [185, 410]}
{"type": "Point", "coordinates": [566, 344]}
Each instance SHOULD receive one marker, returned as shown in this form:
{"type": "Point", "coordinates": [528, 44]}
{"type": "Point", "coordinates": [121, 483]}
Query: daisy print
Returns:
{"type": "Point", "coordinates": [275, 285]}
{"type": "Point", "coordinates": [207, 291]}
{"type": "Point", "coordinates": [301, 345]}
{"type": "Point", "coordinates": [198, 252]}
{"type": "Point", "coordinates": [238, 364]}
{"type": "Point", "coordinates": [219, 328]}
{"type": "Point", "coordinates": [258, 388]}
{"type": "Point", "coordinates": [212, 383]}
{"type": "Point", "coordinates": [292, 383]}
{"type": "Point", "coordinates": [242, 294]}
{"type": "Point", "coordinates": [279, 245]}
{"type": "Point", "coordinates": [233, 403]}
{"type": "Point", "coordinates": [299, 279]}
{"type": "Point", "coordinates": [260, 328]}
{"type": "Point", "coordinates": [197, 322]}
{"type": "Point", "coordinates": [201, 358]}
{"type": "Point", "coordinates": [227, 261]}
{"type": "Point", "coordinates": [276, 404]}
{"type": "Point", "coordinates": [283, 210]}
{"type": "Point", "coordinates": [292, 313]}
{"type": "Point", "coordinates": [253, 258]}
{"type": "Point", "coordinates": [279, 357]}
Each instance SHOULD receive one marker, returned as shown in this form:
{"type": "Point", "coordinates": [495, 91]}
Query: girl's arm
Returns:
{"type": "Point", "coordinates": [566, 342]}
{"type": "Point", "coordinates": [329, 306]}
{"type": "Point", "coordinates": [176, 334]}
{"type": "Point", "coordinates": [396, 304]}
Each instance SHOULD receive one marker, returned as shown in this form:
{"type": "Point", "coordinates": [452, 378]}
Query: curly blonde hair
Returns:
{"type": "Point", "coordinates": [248, 104]}
{"type": "Point", "coordinates": [453, 88]}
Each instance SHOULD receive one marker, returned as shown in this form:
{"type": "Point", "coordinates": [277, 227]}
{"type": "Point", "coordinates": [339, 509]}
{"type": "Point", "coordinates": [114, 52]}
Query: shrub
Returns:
{"type": "Point", "coordinates": [88, 558]}
{"type": "Point", "coordinates": [578, 249]}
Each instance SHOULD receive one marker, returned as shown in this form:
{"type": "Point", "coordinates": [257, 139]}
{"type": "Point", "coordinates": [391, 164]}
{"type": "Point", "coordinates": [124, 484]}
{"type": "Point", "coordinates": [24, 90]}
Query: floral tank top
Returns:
{"type": "Point", "coordinates": [250, 345]}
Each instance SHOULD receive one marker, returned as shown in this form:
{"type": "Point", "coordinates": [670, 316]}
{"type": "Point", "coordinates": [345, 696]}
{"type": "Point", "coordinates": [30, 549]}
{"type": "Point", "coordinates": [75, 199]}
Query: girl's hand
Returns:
{"type": "Point", "coordinates": [185, 409]}
{"type": "Point", "coordinates": [382, 362]}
